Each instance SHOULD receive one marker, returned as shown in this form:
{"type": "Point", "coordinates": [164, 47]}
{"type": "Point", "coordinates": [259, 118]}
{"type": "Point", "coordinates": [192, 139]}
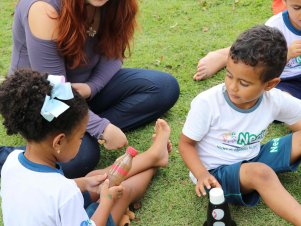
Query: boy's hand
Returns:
{"type": "Point", "coordinates": [205, 180]}
{"type": "Point", "coordinates": [93, 182]}
{"type": "Point", "coordinates": [112, 193]}
{"type": "Point", "coordinates": [294, 49]}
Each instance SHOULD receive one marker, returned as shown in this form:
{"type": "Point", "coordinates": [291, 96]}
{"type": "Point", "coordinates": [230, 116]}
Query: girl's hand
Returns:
{"type": "Point", "coordinates": [294, 49]}
{"type": "Point", "coordinates": [93, 182]}
{"type": "Point", "coordinates": [83, 89]}
{"type": "Point", "coordinates": [114, 137]}
{"type": "Point", "coordinates": [205, 180]}
{"type": "Point", "coordinates": [110, 194]}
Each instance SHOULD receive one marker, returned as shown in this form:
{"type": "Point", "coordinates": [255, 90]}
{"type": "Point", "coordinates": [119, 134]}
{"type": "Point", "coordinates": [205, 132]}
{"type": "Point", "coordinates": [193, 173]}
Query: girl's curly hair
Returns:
{"type": "Point", "coordinates": [22, 95]}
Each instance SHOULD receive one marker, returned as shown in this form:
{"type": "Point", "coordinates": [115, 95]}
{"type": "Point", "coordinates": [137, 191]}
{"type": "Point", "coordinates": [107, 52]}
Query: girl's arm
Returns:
{"type": "Point", "coordinates": [107, 198]}
{"type": "Point", "coordinates": [102, 213]}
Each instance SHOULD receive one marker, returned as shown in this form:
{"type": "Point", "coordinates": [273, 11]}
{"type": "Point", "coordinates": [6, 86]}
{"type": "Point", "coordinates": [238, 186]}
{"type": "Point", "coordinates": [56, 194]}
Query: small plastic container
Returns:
{"type": "Point", "coordinates": [121, 167]}
{"type": "Point", "coordinates": [218, 210]}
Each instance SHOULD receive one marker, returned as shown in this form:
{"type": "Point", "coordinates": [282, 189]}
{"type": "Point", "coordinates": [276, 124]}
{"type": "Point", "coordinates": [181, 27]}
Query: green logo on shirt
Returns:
{"type": "Point", "coordinates": [247, 138]}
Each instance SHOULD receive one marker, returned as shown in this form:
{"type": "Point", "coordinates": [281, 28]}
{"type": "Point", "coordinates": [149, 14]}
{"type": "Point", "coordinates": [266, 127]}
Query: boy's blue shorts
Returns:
{"type": "Point", "coordinates": [276, 154]}
{"type": "Point", "coordinates": [291, 85]}
{"type": "Point", "coordinates": [91, 206]}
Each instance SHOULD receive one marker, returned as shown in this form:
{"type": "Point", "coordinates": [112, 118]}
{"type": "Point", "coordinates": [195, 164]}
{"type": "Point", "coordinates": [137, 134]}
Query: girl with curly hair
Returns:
{"type": "Point", "coordinates": [52, 117]}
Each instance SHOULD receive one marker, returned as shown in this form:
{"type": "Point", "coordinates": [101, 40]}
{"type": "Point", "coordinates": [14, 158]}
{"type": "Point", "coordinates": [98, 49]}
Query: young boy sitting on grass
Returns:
{"type": "Point", "coordinates": [220, 141]}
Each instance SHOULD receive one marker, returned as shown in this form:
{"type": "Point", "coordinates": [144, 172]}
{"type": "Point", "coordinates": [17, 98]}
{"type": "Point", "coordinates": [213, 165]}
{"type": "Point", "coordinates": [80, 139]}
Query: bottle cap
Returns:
{"type": "Point", "coordinates": [216, 196]}
{"type": "Point", "coordinates": [132, 151]}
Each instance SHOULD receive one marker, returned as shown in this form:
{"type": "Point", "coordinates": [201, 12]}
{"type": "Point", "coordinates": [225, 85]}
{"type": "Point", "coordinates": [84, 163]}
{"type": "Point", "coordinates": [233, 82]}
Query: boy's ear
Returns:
{"type": "Point", "coordinates": [58, 141]}
{"type": "Point", "coordinates": [271, 84]}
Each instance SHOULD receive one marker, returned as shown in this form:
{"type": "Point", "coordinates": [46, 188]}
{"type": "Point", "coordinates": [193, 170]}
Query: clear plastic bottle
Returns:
{"type": "Point", "coordinates": [120, 168]}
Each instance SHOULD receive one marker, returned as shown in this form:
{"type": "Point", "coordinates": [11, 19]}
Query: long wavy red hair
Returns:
{"type": "Point", "coordinates": [115, 32]}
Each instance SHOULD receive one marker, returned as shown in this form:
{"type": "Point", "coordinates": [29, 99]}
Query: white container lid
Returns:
{"type": "Point", "coordinates": [216, 196]}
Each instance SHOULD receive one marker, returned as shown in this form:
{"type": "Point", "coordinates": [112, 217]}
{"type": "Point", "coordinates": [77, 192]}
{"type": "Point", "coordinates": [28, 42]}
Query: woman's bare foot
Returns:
{"type": "Point", "coordinates": [211, 64]}
{"type": "Point", "coordinates": [161, 144]}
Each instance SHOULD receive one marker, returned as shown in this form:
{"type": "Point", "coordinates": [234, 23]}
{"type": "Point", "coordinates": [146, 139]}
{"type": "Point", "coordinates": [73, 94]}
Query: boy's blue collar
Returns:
{"type": "Point", "coordinates": [38, 167]}
{"type": "Point", "coordinates": [289, 24]}
{"type": "Point", "coordinates": [238, 109]}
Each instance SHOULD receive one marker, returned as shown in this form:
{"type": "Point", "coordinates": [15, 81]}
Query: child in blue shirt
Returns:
{"type": "Point", "coordinates": [52, 117]}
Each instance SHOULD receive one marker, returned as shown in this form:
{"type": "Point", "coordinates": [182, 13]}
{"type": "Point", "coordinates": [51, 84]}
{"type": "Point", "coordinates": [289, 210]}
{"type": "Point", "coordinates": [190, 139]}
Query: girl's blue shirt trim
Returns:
{"type": "Point", "coordinates": [39, 167]}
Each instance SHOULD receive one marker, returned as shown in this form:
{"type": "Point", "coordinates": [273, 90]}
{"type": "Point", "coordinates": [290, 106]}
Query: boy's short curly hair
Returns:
{"type": "Point", "coordinates": [264, 47]}
{"type": "Point", "coordinates": [22, 95]}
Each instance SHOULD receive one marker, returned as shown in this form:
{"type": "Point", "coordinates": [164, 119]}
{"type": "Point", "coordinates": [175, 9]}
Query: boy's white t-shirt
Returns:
{"type": "Point", "coordinates": [37, 195]}
{"type": "Point", "coordinates": [282, 22]}
{"type": "Point", "coordinates": [226, 134]}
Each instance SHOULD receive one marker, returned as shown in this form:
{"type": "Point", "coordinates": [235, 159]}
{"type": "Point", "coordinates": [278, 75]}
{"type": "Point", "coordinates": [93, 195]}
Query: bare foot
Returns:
{"type": "Point", "coordinates": [160, 147]}
{"type": "Point", "coordinates": [169, 144]}
{"type": "Point", "coordinates": [211, 64]}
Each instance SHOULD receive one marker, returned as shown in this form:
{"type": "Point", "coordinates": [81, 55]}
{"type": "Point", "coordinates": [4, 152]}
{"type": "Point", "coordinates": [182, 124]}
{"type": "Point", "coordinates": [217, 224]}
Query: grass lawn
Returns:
{"type": "Point", "coordinates": [173, 35]}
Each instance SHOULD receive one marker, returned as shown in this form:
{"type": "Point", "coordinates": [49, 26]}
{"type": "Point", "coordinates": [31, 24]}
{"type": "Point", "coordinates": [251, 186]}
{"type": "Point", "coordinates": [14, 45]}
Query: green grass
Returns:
{"type": "Point", "coordinates": [173, 35]}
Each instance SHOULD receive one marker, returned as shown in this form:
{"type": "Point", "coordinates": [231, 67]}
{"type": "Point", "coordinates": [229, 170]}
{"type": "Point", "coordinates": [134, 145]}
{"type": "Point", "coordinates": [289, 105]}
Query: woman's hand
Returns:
{"type": "Point", "coordinates": [83, 89]}
{"type": "Point", "coordinates": [114, 137]}
{"type": "Point", "coordinates": [205, 180]}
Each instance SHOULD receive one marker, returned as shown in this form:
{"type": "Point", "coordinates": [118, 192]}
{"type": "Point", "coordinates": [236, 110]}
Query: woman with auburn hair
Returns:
{"type": "Point", "coordinates": [86, 40]}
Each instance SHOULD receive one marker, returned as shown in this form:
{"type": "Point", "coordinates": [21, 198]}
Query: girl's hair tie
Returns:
{"type": "Point", "coordinates": [52, 107]}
